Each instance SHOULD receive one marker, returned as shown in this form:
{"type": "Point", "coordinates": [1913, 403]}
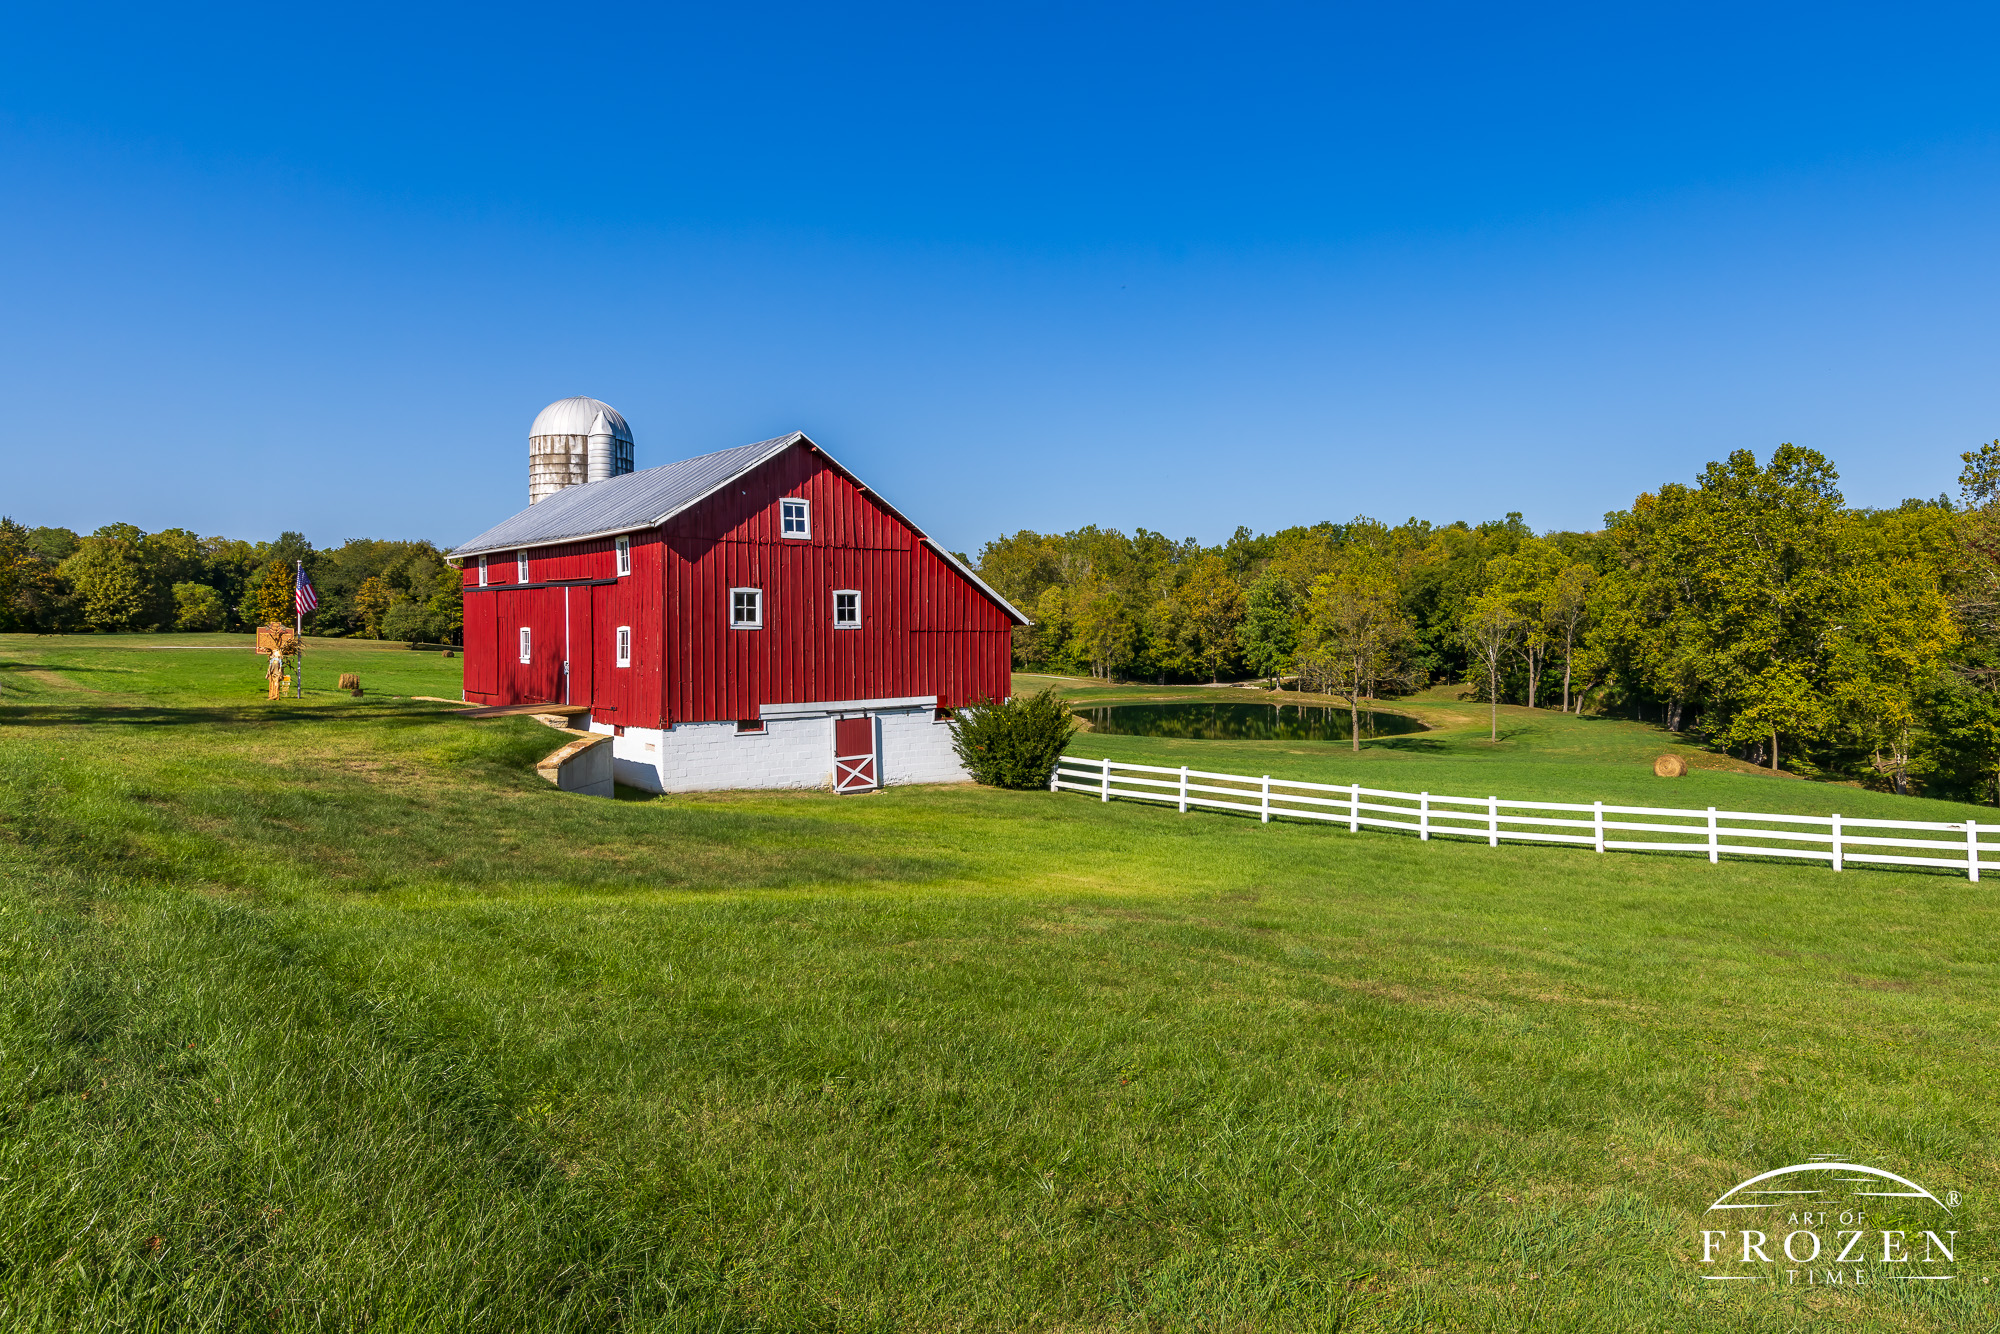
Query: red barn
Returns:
{"type": "Point", "coordinates": [751, 618]}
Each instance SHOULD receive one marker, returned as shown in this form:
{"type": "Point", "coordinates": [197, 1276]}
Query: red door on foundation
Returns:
{"type": "Point", "coordinates": [854, 767]}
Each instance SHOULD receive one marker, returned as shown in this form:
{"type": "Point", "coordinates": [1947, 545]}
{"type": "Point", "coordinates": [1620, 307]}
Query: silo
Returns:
{"type": "Point", "coordinates": [576, 440]}
{"type": "Point", "coordinates": [597, 453]}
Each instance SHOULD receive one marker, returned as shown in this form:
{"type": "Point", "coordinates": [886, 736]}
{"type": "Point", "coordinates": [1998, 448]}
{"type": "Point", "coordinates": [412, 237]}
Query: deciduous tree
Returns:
{"type": "Point", "coordinates": [110, 580]}
{"type": "Point", "coordinates": [1490, 628]}
{"type": "Point", "coordinates": [1269, 633]}
{"type": "Point", "coordinates": [1565, 614]}
{"type": "Point", "coordinates": [198, 607]}
{"type": "Point", "coordinates": [271, 599]}
{"type": "Point", "coordinates": [371, 604]}
{"type": "Point", "coordinates": [1359, 629]}
{"type": "Point", "coordinates": [1213, 602]}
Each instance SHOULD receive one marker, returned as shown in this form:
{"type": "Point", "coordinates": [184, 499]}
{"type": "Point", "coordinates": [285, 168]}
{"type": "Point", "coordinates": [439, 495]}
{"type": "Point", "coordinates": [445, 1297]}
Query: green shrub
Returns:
{"type": "Point", "coordinates": [1015, 744]}
{"type": "Point", "coordinates": [197, 607]}
{"type": "Point", "coordinates": [410, 621]}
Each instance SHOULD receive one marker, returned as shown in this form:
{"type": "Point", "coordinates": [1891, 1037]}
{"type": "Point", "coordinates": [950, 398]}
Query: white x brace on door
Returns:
{"type": "Point", "coordinates": [854, 763]}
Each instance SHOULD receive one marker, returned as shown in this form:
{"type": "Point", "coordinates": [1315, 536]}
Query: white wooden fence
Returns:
{"type": "Point", "coordinates": [1835, 839]}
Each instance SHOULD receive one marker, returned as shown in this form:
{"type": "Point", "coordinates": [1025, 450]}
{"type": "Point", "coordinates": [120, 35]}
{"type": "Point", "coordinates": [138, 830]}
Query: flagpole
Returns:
{"type": "Point", "coordinates": [298, 630]}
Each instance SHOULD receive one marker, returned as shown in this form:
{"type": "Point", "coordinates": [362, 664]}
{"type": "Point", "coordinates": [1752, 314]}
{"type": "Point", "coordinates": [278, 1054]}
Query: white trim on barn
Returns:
{"type": "Point", "coordinates": [795, 517]}
{"type": "Point", "coordinates": [848, 706]}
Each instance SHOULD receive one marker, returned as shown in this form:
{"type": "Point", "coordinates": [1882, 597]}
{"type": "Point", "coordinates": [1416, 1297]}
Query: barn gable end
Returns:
{"type": "Point", "coordinates": [912, 601]}
{"type": "Point", "coordinates": [625, 600]}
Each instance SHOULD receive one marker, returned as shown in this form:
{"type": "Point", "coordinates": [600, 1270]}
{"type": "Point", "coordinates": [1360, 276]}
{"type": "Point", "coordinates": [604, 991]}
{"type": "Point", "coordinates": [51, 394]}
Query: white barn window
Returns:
{"type": "Point", "coordinates": [794, 518]}
{"type": "Point", "coordinates": [482, 571]}
{"type": "Point", "coordinates": [746, 608]}
{"type": "Point", "coordinates": [624, 546]}
{"type": "Point", "coordinates": [624, 646]}
{"type": "Point", "coordinates": [526, 645]}
{"type": "Point", "coordinates": [846, 609]}
{"type": "Point", "coordinates": [520, 567]}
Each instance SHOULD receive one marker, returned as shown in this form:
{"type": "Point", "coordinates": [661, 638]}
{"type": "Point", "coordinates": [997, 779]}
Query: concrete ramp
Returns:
{"type": "Point", "coordinates": [584, 765]}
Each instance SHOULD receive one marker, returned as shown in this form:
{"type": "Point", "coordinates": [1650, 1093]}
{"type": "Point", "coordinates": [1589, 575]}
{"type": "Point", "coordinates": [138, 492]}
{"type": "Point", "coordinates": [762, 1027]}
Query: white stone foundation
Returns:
{"type": "Point", "coordinates": [795, 749]}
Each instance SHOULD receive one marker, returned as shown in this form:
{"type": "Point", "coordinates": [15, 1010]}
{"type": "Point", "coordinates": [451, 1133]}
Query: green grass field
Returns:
{"type": "Point", "coordinates": [329, 1014]}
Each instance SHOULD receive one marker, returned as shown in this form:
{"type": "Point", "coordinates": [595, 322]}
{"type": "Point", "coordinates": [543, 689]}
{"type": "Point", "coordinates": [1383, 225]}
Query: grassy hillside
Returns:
{"type": "Point", "coordinates": [329, 1014]}
{"type": "Point", "coordinates": [1541, 755]}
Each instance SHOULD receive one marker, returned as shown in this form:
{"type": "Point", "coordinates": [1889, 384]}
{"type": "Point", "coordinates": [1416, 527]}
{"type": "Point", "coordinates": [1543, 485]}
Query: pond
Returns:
{"type": "Point", "coordinates": [1232, 721]}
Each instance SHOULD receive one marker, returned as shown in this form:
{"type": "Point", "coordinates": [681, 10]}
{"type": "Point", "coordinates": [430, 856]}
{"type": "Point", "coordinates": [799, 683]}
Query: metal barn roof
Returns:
{"type": "Point", "coordinates": [623, 504]}
{"type": "Point", "coordinates": [648, 498]}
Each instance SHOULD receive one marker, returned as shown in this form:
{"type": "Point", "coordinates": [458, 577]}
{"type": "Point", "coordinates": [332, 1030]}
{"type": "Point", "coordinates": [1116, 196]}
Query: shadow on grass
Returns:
{"type": "Point", "coordinates": [155, 715]}
{"type": "Point", "coordinates": [1507, 735]}
{"type": "Point", "coordinates": [1416, 745]}
{"type": "Point", "coordinates": [59, 667]}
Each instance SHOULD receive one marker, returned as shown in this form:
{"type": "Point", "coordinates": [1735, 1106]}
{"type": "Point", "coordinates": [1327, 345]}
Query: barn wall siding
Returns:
{"type": "Point", "coordinates": [926, 629]}
{"type": "Point", "coordinates": [582, 621]}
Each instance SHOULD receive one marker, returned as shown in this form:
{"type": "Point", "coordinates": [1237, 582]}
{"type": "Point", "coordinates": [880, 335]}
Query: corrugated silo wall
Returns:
{"type": "Point", "coordinates": [554, 462]}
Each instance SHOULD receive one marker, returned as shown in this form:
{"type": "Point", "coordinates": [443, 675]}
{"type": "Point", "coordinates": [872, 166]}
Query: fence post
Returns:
{"type": "Point", "coordinates": [1354, 809]}
{"type": "Point", "coordinates": [1714, 846]}
{"type": "Point", "coordinates": [1265, 809]}
{"type": "Point", "coordinates": [1105, 785]}
{"type": "Point", "coordinates": [1836, 841]}
{"type": "Point", "coordinates": [1972, 850]}
{"type": "Point", "coordinates": [1183, 789]}
{"type": "Point", "coordinates": [1493, 822]}
{"type": "Point", "coordinates": [1600, 826]}
{"type": "Point", "coordinates": [1424, 817]}
{"type": "Point", "coordinates": [1055, 773]}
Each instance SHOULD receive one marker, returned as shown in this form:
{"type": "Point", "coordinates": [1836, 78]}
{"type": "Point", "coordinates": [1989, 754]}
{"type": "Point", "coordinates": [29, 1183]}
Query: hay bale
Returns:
{"type": "Point", "coordinates": [1670, 766]}
{"type": "Point", "coordinates": [350, 681]}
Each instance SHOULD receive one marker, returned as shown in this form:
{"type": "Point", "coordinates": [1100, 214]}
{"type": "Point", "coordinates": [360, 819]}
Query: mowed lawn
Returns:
{"type": "Point", "coordinates": [329, 1014]}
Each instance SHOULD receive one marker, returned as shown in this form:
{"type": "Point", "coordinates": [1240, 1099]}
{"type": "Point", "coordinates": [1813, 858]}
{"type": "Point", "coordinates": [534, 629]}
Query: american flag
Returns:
{"type": "Point", "coordinates": [303, 599]}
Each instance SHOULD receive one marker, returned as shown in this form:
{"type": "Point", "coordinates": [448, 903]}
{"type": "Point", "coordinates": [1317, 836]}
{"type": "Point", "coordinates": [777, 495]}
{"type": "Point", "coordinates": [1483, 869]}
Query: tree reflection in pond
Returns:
{"type": "Point", "coordinates": [1216, 721]}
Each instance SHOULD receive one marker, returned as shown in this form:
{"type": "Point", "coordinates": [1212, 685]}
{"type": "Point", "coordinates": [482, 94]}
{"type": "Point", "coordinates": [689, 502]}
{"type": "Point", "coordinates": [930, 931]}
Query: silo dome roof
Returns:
{"type": "Point", "coordinates": [575, 416]}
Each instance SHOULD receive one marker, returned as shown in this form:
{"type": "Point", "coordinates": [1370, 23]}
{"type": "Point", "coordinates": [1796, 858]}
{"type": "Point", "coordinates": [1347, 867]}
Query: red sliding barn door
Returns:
{"type": "Point", "coordinates": [580, 644]}
{"type": "Point", "coordinates": [528, 623]}
{"type": "Point", "coordinates": [854, 763]}
{"type": "Point", "coordinates": [482, 649]}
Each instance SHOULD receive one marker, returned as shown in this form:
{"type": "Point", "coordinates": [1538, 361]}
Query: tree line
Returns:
{"type": "Point", "coordinates": [122, 578]}
{"type": "Point", "coordinates": [1751, 608]}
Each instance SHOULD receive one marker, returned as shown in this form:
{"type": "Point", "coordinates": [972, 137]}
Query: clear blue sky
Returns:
{"type": "Point", "coordinates": [1018, 266]}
